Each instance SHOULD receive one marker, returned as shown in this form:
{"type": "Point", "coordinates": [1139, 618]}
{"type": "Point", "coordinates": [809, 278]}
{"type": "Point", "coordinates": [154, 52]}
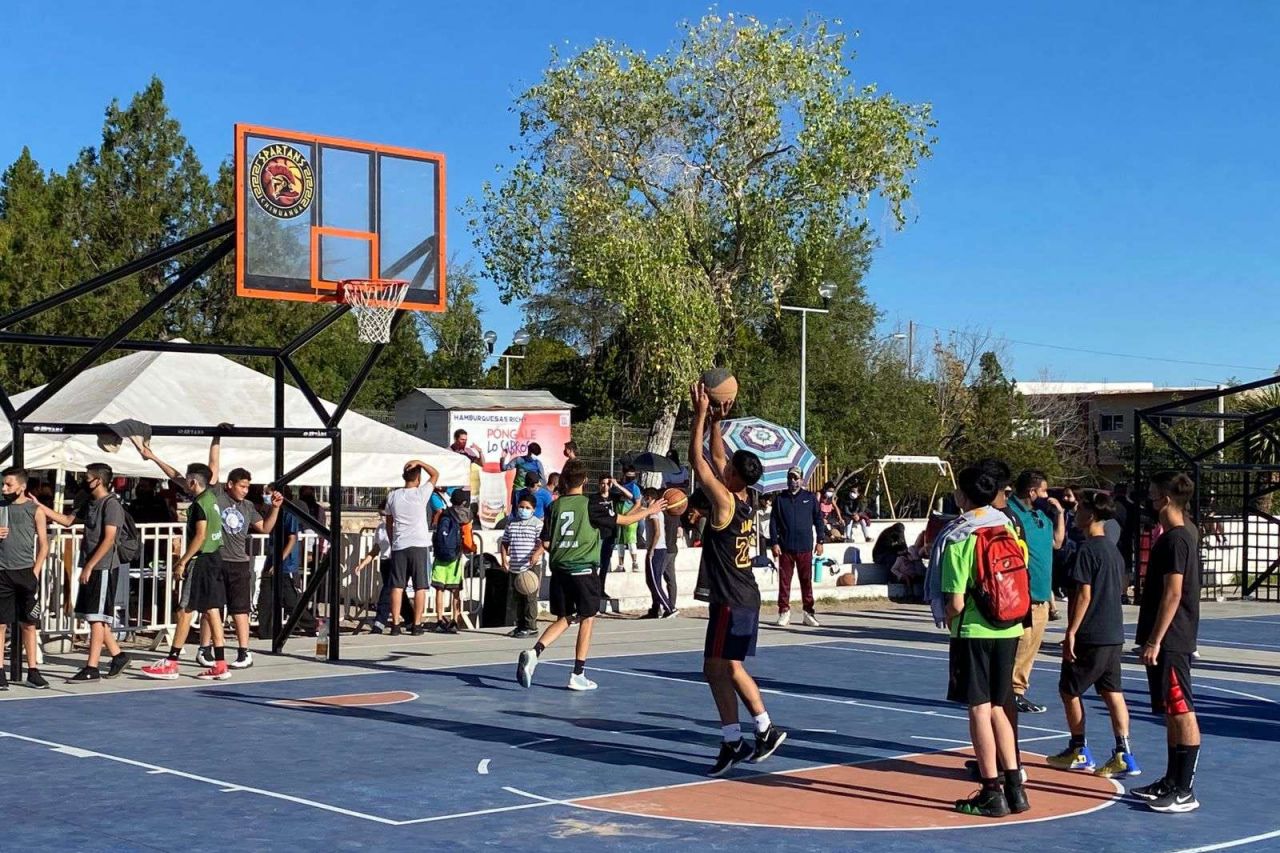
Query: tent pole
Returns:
{"type": "Point", "coordinates": [335, 544]}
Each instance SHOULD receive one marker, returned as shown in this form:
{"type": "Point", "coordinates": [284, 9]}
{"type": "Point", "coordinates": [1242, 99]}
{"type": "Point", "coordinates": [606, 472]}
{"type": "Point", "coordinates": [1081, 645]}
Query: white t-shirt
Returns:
{"type": "Point", "coordinates": [407, 509]}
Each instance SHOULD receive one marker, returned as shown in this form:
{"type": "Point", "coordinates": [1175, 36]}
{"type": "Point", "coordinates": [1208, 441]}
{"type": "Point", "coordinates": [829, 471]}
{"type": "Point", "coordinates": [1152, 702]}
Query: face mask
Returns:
{"type": "Point", "coordinates": [525, 513]}
{"type": "Point", "coordinates": [630, 477]}
{"type": "Point", "coordinates": [830, 494]}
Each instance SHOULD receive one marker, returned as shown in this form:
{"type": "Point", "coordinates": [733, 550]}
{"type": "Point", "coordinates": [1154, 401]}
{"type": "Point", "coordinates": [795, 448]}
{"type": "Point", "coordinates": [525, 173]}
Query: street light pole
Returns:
{"type": "Point", "coordinates": [826, 290]}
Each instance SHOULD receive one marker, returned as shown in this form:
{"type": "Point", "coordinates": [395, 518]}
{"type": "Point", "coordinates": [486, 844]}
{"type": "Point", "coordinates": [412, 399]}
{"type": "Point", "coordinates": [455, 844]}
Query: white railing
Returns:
{"type": "Point", "coordinates": [147, 598]}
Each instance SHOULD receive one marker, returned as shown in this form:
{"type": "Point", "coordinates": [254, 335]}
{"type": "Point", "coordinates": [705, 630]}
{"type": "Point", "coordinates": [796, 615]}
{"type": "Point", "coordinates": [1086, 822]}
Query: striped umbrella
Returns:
{"type": "Point", "coordinates": [780, 449]}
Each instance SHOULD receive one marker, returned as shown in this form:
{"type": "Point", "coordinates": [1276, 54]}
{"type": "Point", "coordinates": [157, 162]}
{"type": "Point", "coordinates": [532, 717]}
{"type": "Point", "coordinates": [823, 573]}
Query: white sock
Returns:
{"type": "Point", "coordinates": [763, 722]}
{"type": "Point", "coordinates": [731, 734]}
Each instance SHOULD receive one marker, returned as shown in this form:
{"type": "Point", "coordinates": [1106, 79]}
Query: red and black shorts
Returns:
{"type": "Point", "coordinates": [1170, 684]}
{"type": "Point", "coordinates": [731, 632]}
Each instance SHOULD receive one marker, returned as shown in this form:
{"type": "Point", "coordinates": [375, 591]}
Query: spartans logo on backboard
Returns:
{"type": "Point", "coordinates": [282, 181]}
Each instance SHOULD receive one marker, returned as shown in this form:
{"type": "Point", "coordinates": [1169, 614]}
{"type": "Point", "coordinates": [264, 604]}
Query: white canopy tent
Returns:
{"type": "Point", "coordinates": [183, 389]}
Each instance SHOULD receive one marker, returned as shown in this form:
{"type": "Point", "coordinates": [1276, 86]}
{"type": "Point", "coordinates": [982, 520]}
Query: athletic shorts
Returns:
{"type": "Point", "coordinates": [574, 596]}
{"type": "Point", "coordinates": [1170, 684]}
{"type": "Point", "coordinates": [1095, 666]}
{"type": "Point", "coordinates": [982, 671]}
{"type": "Point", "coordinates": [731, 632]}
{"type": "Point", "coordinates": [19, 593]}
{"type": "Point", "coordinates": [96, 599]}
{"type": "Point", "coordinates": [410, 564]}
{"type": "Point", "coordinates": [237, 577]}
{"type": "Point", "coordinates": [204, 587]}
{"type": "Point", "coordinates": [447, 575]}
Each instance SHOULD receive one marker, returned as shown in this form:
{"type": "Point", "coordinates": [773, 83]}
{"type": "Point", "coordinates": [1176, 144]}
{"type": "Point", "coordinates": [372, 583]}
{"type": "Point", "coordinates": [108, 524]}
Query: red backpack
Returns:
{"type": "Point", "coordinates": [1001, 584]}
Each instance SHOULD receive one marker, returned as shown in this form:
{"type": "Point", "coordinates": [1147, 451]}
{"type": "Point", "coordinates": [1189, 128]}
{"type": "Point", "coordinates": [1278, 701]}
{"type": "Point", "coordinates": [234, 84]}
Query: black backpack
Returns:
{"type": "Point", "coordinates": [128, 542]}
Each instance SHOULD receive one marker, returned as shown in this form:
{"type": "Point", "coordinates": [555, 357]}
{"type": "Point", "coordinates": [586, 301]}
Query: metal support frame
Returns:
{"type": "Point", "coordinates": [804, 358]}
{"type": "Point", "coordinates": [1203, 462]}
{"type": "Point", "coordinates": [327, 427]}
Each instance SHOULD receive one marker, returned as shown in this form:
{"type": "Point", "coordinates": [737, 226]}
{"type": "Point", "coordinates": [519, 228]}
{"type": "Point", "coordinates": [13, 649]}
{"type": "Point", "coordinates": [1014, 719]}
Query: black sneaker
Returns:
{"type": "Point", "coordinates": [36, 681]}
{"type": "Point", "coordinates": [442, 626]}
{"type": "Point", "coordinates": [86, 673]}
{"type": "Point", "coordinates": [1016, 797]}
{"type": "Point", "coordinates": [376, 629]}
{"type": "Point", "coordinates": [527, 632]}
{"type": "Point", "coordinates": [767, 743]}
{"type": "Point", "coordinates": [1175, 802]}
{"type": "Point", "coordinates": [1026, 706]}
{"type": "Point", "coordinates": [4, 679]}
{"type": "Point", "coordinates": [1155, 791]}
{"type": "Point", "coordinates": [417, 630]}
{"type": "Point", "coordinates": [452, 627]}
{"type": "Point", "coordinates": [985, 803]}
{"type": "Point", "coordinates": [731, 754]}
{"type": "Point", "coordinates": [118, 664]}
{"type": "Point", "coordinates": [395, 630]}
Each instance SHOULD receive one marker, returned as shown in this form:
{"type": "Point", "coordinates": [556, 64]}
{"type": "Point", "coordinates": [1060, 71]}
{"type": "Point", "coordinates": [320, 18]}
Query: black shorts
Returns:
{"type": "Point", "coordinates": [1170, 684]}
{"type": "Point", "coordinates": [411, 564]}
{"type": "Point", "coordinates": [97, 598]}
{"type": "Point", "coordinates": [982, 671]}
{"type": "Point", "coordinates": [731, 632]}
{"type": "Point", "coordinates": [204, 587]}
{"type": "Point", "coordinates": [1095, 666]}
{"type": "Point", "coordinates": [237, 577]}
{"type": "Point", "coordinates": [574, 596]}
{"type": "Point", "coordinates": [19, 593]}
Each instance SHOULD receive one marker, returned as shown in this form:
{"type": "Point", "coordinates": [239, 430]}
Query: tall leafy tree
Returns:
{"type": "Point", "coordinates": [679, 188]}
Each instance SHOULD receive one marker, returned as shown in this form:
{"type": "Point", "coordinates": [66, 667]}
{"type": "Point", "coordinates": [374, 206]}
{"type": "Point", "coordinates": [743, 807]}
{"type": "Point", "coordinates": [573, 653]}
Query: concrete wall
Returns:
{"type": "Point", "coordinates": [627, 590]}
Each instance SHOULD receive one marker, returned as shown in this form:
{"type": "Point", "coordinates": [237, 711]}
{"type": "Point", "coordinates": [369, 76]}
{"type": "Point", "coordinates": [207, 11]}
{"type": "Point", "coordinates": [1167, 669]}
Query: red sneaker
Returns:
{"type": "Point", "coordinates": [166, 670]}
{"type": "Point", "coordinates": [218, 672]}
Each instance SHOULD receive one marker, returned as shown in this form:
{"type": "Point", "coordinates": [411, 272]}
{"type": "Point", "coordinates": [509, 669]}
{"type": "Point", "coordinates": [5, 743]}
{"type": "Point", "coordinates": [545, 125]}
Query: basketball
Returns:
{"type": "Point", "coordinates": [677, 501]}
{"type": "Point", "coordinates": [526, 582]}
{"type": "Point", "coordinates": [721, 386]}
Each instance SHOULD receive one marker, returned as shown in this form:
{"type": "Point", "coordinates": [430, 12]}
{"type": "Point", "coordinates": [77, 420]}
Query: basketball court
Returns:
{"type": "Point", "coordinates": [430, 740]}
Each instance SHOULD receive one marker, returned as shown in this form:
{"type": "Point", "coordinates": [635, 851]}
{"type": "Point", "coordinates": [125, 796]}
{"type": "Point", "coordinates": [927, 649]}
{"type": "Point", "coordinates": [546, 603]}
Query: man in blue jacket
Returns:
{"type": "Point", "coordinates": [796, 523]}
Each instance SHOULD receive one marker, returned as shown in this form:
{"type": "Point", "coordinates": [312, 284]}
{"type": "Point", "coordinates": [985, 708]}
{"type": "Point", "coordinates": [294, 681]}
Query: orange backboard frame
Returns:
{"type": "Point", "coordinates": [324, 290]}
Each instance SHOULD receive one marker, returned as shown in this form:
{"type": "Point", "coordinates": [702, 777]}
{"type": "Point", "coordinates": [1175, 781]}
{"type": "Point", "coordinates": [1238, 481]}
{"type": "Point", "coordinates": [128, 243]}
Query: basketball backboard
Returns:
{"type": "Point", "coordinates": [312, 211]}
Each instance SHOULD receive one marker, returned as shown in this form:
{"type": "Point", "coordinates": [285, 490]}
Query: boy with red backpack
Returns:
{"type": "Point", "coordinates": [986, 590]}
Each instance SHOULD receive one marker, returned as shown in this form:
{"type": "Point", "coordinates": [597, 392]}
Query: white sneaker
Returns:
{"type": "Point", "coordinates": [581, 682]}
{"type": "Point", "coordinates": [784, 618]}
{"type": "Point", "coordinates": [204, 656]}
{"type": "Point", "coordinates": [812, 621]}
{"type": "Point", "coordinates": [671, 614]}
{"type": "Point", "coordinates": [242, 662]}
{"type": "Point", "coordinates": [525, 666]}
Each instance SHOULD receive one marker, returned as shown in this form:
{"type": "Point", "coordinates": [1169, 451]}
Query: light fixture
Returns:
{"type": "Point", "coordinates": [521, 339]}
{"type": "Point", "coordinates": [827, 290]}
{"type": "Point", "coordinates": [490, 338]}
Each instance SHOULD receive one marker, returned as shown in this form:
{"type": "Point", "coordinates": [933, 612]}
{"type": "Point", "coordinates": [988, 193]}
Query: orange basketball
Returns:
{"type": "Point", "coordinates": [721, 386]}
{"type": "Point", "coordinates": [677, 501]}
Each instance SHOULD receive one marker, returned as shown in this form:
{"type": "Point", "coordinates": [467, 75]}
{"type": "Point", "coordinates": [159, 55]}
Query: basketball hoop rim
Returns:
{"type": "Point", "coordinates": [367, 285]}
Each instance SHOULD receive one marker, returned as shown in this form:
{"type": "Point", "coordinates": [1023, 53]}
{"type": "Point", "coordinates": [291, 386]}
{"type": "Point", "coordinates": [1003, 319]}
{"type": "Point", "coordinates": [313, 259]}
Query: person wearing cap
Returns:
{"type": "Point", "coordinates": [796, 525]}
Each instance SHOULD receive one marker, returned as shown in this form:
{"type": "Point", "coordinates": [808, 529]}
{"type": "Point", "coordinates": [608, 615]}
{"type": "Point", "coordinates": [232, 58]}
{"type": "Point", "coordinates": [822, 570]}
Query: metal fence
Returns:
{"type": "Point", "coordinates": [147, 594]}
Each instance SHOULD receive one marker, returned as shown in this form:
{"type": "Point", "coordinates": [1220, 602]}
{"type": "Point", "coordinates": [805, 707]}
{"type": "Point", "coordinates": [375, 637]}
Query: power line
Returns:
{"type": "Point", "coordinates": [1084, 351]}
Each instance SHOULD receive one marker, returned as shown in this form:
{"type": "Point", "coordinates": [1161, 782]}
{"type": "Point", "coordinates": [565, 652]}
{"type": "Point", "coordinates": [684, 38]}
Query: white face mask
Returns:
{"type": "Point", "coordinates": [830, 494]}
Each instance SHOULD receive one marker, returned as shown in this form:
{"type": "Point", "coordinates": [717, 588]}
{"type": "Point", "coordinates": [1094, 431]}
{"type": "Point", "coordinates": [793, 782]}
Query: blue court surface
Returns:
{"type": "Point", "coordinates": [463, 757]}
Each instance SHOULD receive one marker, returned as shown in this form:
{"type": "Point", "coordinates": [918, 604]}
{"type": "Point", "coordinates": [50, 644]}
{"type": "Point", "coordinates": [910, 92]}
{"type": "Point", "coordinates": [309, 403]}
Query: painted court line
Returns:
{"type": "Point", "coordinates": [1239, 842]}
{"type": "Point", "coordinates": [483, 767]}
{"type": "Point", "coordinates": [232, 787]}
{"type": "Point", "coordinates": [775, 692]}
{"type": "Point", "coordinates": [578, 802]}
{"type": "Point", "coordinates": [1046, 668]}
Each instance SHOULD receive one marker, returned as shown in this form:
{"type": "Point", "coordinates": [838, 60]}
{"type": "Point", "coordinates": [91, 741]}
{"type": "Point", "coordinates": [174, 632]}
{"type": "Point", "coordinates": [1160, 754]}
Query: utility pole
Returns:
{"type": "Point", "coordinates": [911, 349]}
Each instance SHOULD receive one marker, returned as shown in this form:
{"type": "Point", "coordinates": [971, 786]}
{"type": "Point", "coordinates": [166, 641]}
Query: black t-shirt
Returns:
{"type": "Point", "coordinates": [1177, 552]}
{"type": "Point", "coordinates": [1098, 563]}
{"type": "Point", "coordinates": [725, 575]}
{"type": "Point", "coordinates": [671, 530]}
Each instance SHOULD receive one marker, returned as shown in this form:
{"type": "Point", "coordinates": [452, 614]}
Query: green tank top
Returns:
{"type": "Point", "coordinates": [205, 508]}
{"type": "Point", "coordinates": [575, 544]}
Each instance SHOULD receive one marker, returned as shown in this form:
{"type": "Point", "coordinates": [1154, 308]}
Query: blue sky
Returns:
{"type": "Point", "coordinates": [1105, 178]}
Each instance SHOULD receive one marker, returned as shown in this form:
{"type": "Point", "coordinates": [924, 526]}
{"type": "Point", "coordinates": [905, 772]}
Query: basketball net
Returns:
{"type": "Point", "coordinates": [374, 303]}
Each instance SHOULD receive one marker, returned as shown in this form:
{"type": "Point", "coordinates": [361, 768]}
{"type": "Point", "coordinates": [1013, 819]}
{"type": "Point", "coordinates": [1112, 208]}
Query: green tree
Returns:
{"type": "Point", "coordinates": [456, 336]}
{"type": "Point", "coordinates": [679, 189]}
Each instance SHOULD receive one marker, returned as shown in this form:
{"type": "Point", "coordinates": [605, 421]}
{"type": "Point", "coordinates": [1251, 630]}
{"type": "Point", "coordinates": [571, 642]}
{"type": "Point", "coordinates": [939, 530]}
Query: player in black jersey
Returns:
{"type": "Point", "coordinates": [726, 583]}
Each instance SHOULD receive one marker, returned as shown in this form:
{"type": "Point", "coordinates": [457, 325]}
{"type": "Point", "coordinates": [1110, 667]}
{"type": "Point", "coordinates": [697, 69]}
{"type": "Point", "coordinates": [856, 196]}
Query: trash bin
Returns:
{"type": "Point", "coordinates": [498, 610]}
